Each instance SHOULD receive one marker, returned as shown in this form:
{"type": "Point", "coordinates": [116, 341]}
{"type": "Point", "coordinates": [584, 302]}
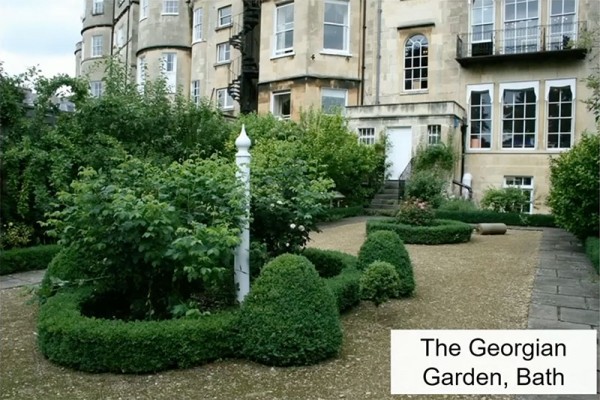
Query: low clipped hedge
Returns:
{"type": "Point", "coordinates": [486, 216]}
{"type": "Point", "coordinates": [592, 249]}
{"type": "Point", "coordinates": [337, 213]}
{"type": "Point", "coordinates": [345, 288]}
{"type": "Point", "coordinates": [328, 263]}
{"type": "Point", "coordinates": [68, 338]}
{"type": "Point", "coordinates": [27, 259]}
{"type": "Point", "coordinates": [290, 317]}
{"type": "Point", "coordinates": [379, 282]}
{"type": "Point", "coordinates": [442, 232]}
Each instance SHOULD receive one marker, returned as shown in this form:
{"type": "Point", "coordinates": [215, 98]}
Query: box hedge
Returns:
{"type": "Point", "coordinates": [485, 216]}
{"type": "Point", "coordinates": [337, 213]}
{"type": "Point", "coordinates": [592, 249]}
{"type": "Point", "coordinates": [27, 258]}
{"type": "Point", "coordinates": [327, 263]}
{"type": "Point", "coordinates": [345, 288]}
{"type": "Point", "coordinates": [442, 232]}
{"type": "Point", "coordinates": [68, 338]}
{"type": "Point", "coordinates": [379, 282]}
{"type": "Point", "coordinates": [290, 317]}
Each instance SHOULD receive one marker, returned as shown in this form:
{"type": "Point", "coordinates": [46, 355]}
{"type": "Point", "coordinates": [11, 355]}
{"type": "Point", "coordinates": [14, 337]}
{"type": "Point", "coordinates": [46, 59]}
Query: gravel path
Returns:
{"type": "Point", "coordinates": [484, 284]}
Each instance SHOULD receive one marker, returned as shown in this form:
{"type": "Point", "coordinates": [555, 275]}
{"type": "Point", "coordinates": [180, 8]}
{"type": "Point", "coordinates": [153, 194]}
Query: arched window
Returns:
{"type": "Point", "coordinates": [416, 52]}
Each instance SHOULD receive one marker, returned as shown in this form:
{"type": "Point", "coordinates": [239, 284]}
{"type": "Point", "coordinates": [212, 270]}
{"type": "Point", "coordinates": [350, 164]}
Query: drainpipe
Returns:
{"type": "Point", "coordinates": [363, 52]}
{"type": "Point", "coordinates": [378, 73]}
{"type": "Point", "coordinates": [463, 141]}
{"type": "Point", "coordinates": [128, 42]}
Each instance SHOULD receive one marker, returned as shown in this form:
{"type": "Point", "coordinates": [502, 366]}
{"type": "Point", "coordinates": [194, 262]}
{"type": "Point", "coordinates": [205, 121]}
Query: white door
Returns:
{"type": "Point", "coordinates": [399, 151]}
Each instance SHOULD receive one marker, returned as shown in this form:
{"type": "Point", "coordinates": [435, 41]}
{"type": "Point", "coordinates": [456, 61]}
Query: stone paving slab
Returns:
{"type": "Point", "coordinates": [559, 300]}
{"type": "Point", "coordinates": [21, 279]}
{"type": "Point", "coordinates": [578, 316]}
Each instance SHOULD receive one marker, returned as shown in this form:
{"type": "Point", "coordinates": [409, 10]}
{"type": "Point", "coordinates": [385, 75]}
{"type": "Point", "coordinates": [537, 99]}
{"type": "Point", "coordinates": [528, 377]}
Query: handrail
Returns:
{"type": "Point", "coordinates": [463, 186]}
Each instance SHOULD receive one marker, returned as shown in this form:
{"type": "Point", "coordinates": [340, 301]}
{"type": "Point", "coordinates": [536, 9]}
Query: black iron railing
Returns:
{"type": "Point", "coordinates": [519, 40]}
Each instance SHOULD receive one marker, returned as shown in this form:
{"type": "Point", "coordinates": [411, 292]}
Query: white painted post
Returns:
{"type": "Point", "coordinates": [242, 252]}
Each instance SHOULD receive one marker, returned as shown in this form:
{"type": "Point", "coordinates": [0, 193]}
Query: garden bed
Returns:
{"type": "Point", "coordinates": [440, 232]}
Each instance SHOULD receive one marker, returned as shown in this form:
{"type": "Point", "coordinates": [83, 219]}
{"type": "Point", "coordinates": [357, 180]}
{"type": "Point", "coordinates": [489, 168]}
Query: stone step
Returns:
{"type": "Point", "coordinates": [386, 195]}
{"type": "Point", "coordinates": [392, 202]}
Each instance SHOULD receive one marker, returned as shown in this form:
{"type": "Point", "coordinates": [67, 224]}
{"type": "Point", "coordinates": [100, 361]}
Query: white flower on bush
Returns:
{"type": "Point", "coordinates": [280, 202]}
{"type": "Point", "coordinates": [301, 228]}
{"type": "Point", "coordinates": [293, 226]}
{"type": "Point", "coordinates": [272, 205]}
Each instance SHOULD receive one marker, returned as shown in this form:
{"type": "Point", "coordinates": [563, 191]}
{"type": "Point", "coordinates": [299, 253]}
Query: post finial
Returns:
{"type": "Point", "coordinates": [243, 141]}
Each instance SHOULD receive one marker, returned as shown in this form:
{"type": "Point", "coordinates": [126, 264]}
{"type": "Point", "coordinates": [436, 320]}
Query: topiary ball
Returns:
{"type": "Point", "coordinates": [387, 246]}
{"type": "Point", "coordinates": [290, 317]}
{"type": "Point", "coordinates": [379, 282]}
{"type": "Point", "coordinates": [65, 268]}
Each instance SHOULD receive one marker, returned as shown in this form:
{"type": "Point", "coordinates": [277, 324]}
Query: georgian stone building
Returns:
{"type": "Point", "coordinates": [502, 80]}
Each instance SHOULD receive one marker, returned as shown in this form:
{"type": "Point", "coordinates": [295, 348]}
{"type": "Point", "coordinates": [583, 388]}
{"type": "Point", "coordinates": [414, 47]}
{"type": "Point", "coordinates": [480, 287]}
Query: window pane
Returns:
{"type": "Point", "coordinates": [335, 13]}
{"type": "Point", "coordinates": [333, 37]}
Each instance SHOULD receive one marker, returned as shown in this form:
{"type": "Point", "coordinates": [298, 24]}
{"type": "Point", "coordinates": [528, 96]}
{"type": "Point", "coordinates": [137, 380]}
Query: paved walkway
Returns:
{"type": "Point", "coordinates": [21, 279]}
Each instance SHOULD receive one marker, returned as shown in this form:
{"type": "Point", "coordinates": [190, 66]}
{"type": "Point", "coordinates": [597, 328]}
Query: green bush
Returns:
{"type": "Point", "coordinates": [438, 156]}
{"type": "Point", "coordinates": [592, 249]}
{"type": "Point", "coordinates": [457, 205]}
{"type": "Point", "coordinates": [426, 185]}
{"type": "Point", "coordinates": [290, 317]}
{"type": "Point", "coordinates": [27, 259]}
{"type": "Point", "coordinates": [484, 216]}
{"type": "Point", "coordinates": [337, 213]}
{"type": "Point", "coordinates": [68, 338]}
{"type": "Point", "coordinates": [379, 282]}
{"type": "Point", "coordinates": [386, 246]}
{"type": "Point", "coordinates": [415, 212]}
{"type": "Point", "coordinates": [345, 288]}
{"type": "Point", "coordinates": [327, 263]}
{"type": "Point", "coordinates": [440, 232]}
{"type": "Point", "coordinates": [574, 187]}
{"type": "Point", "coordinates": [63, 270]}
{"type": "Point", "coordinates": [510, 199]}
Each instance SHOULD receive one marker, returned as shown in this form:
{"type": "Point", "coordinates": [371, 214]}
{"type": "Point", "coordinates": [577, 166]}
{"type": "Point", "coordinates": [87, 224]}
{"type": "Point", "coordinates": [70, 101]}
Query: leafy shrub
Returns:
{"type": "Point", "coordinates": [592, 249]}
{"type": "Point", "coordinates": [337, 213]}
{"type": "Point", "coordinates": [509, 199]}
{"type": "Point", "coordinates": [290, 317]}
{"type": "Point", "coordinates": [68, 338]}
{"type": "Point", "coordinates": [486, 216]}
{"type": "Point", "coordinates": [326, 262]}
{"type": "Point", "coordinates": [439, 232]}
{"type": "Point", "coordinates": [345, 288]}
{"type": "Point", "coordinates": [457, 204]}
{"type": "Point", "coordinates": [426, 185]}
{"type": "Point", "coordinates": [387, 246]}
{"type": "Point", "coordinates": [435, 157]}
{"type": "Point", "coordinates": [63, 270]}
{"type": "Point", "coordinates": [27, 259]}
{"type": "Point", "coordinates": [379, 282]}
{"type": "Point", "coordinates": [15, 235]}
{"type": "Point", "coordinates": [574, 187]}
{"type": "Point", "coordinates": [259, 257]}
{"type": "Point", "coordinates": [415, 212]}
{"type": "Point", "coordinates": [152, 231]}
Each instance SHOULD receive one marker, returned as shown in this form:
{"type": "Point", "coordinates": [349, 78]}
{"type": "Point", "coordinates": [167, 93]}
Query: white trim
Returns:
{"type": "Point", "coordinates": [480, 88]}
{"type": "Point", "coordinates": [560, 83]}
{"type": "Point", "coordinates": [219, 25]}
{"type": "Point", "coordinates": [164, 7]}
{"type": "Point", "coordinates": [227, 96]}
{"type": "Point", "coordinates": [281, 93]}
{"type": "Point", "coordinates": [287, 50]}
{"type": "Point", "coordinates": [143, 9]}
{"type": "Point", "coordinates": [519, 85]}
{"type": "Point", "coordinates": [535, 85]}
{"type": "Point", "coordinates": [348, 31]}
{"type": "Point", "coordinates": [226, 46]}
{"type": "Point", "coordinates": [334, 93]}
{"type": "Point", "coordinates": [197, 22]}
{"type": "Point", "coordinates": [95, 46]}
{"type": "Point", "coordinates": [489, 87]}
{"type": "Point", "coordinates": [493, 22]}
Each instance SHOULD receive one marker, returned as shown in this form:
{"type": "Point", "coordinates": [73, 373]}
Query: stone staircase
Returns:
{"type": "Point", "coordinates": [386, 200]}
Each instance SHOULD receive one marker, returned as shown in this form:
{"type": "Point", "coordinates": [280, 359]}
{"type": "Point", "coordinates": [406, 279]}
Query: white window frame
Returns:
{"type": "Point", "coordinates": [434, 134]}
{"type": "Point", "coordinates": [143, 9]}
{"type": "Point", "coordinates": [227, 103]}
{"type": "Point", "coordinates": [96, 88]}
{"type": "Point", "coordinates": [170, 7]}
{"type": "Point", "coordinates": [195, 92]}
{"type": "Point", "coordinates": [169, 67]}
{"type": "Point", "coordinates": [277, 105]}
{"type": "Point", "coordinates": [221, 16]}
{"type": "Point", "coordinates": [410, 73]}
{"type": "Point", "coordinates": [198, 25]}
{"type": "Point", "coordinates": [98, 7]}
{"type": "Point", "coordinates": [97, 46]}
{"type": "Point", "coordinates": [560, 83]}
{"type": "Point", "coordinates": [535, 85]}
{"type": "Point", "coordinates": [223, 53]}
{"type": "Point", "coordinates": [517, 181]}
{"type": "Point", "coordinates": [334, 93]}
{"type": "Point", "coordinates": [488, 87]}
{"type": "Point", "coordinates": [282, 31]}
{"type": "Point", "coordinates": [573, 32]}
{"type": "Point", "coordinates": [120, 37]}
{"type": "Point", "coordinates": [478, 7]}
{"type": "Point", "coordinates": [141, 72]}
{"type": "Point", "coordinates": [366, 135]}
{"type": "Point", "coordinates": [345, 28]}
{"type": "Point", "coordinates": [530, 38]}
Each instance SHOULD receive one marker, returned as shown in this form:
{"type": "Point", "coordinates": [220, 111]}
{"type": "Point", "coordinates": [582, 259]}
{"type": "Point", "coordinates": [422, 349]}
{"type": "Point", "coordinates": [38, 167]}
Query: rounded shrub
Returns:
{"type": "Point", "coordinates": [439, 232]}
{"type": "Point", "coordinates": [379, 282]}
{"type": "Point", "coordinates": [290, 317]}
{"type": "Point", "coordinates": [345, 288]}
{"type": "Point", "coordinates": [387, 246]}
{"type": "Point", "coordinates": [64, 270]}
{"type": "Point", "coordinates": [327, 263]}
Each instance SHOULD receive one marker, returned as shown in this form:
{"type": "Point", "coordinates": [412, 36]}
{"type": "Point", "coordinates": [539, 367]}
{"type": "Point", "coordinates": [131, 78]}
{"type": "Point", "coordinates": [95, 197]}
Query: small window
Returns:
{"type": "Point", "coordinates": [560, 104]}
{"type": "Point", "coordinates": [143, 9]}
{"type": "Point", "coordinates": [366, 136]}
{"type": "Point", "coordinates": [282, 104]}
{"type": "Point", "coordinates": [416, 61]}
{"type": "Point", "coordinates": [480, 116]}
{"type": "Point", "coordinates": [120, 40]}
{"type": "Point", "coordinates": [97, 46]}
{"type": "Point", "coordinates": [170, 70]}
{"type": "Point", "coordinates": [224, 16]}
{"type": "Point", "coordinates": [141, 73]}
{"type": "Point", "coordinates": [198, 23]}
{"type": "Point", "coordinates": [169, 60]}
{"type": "Point", "coordinates": [525, 183]}
{"type": "Point", "coordinates": [224, 100]}
{"type": "Point", "coordinates": [96, 88]}
{"type": "Point", "coordinates": [434, 134]}
{"type": "Point", "coordinates": [195, 92]}
{"type": "Point", "coordinates": [336, 26]}
{"type": "Point", "coordinates": [284, 29]}
{"type": "Point", "coordinates": [333, 100]}
{"type": "Point", "coordinates": [223, 52]}
{"type": "Point", "coordinates": [98, 7]}
{"type": "Point", "coordinates": [170, 7]}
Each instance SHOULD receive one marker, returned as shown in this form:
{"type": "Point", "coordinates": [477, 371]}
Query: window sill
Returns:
{"type": "Point", "coordinates": [169, 14]}
{"type": "Point", "coordinates": [415, 91]}
{"type": "Point", "coordinates": [199, 41]}
{"type": "Point", "coordinates": [338, 53]}
{"type": "Point", "coordinates": [221, 27]}
{"type": "Point", "coordinates": [226, 108]}
{"type": "Point", "coordinates": [276, 56]}
{"type": "Point", "coordinates": [143, 18]}
{"type": "Point", "coordinates": [220, 63]}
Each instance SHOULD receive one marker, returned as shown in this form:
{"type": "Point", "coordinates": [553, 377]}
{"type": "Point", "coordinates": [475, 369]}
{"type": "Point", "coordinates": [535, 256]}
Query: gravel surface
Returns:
{"type": "Point", "coordinates": [484, 284]}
